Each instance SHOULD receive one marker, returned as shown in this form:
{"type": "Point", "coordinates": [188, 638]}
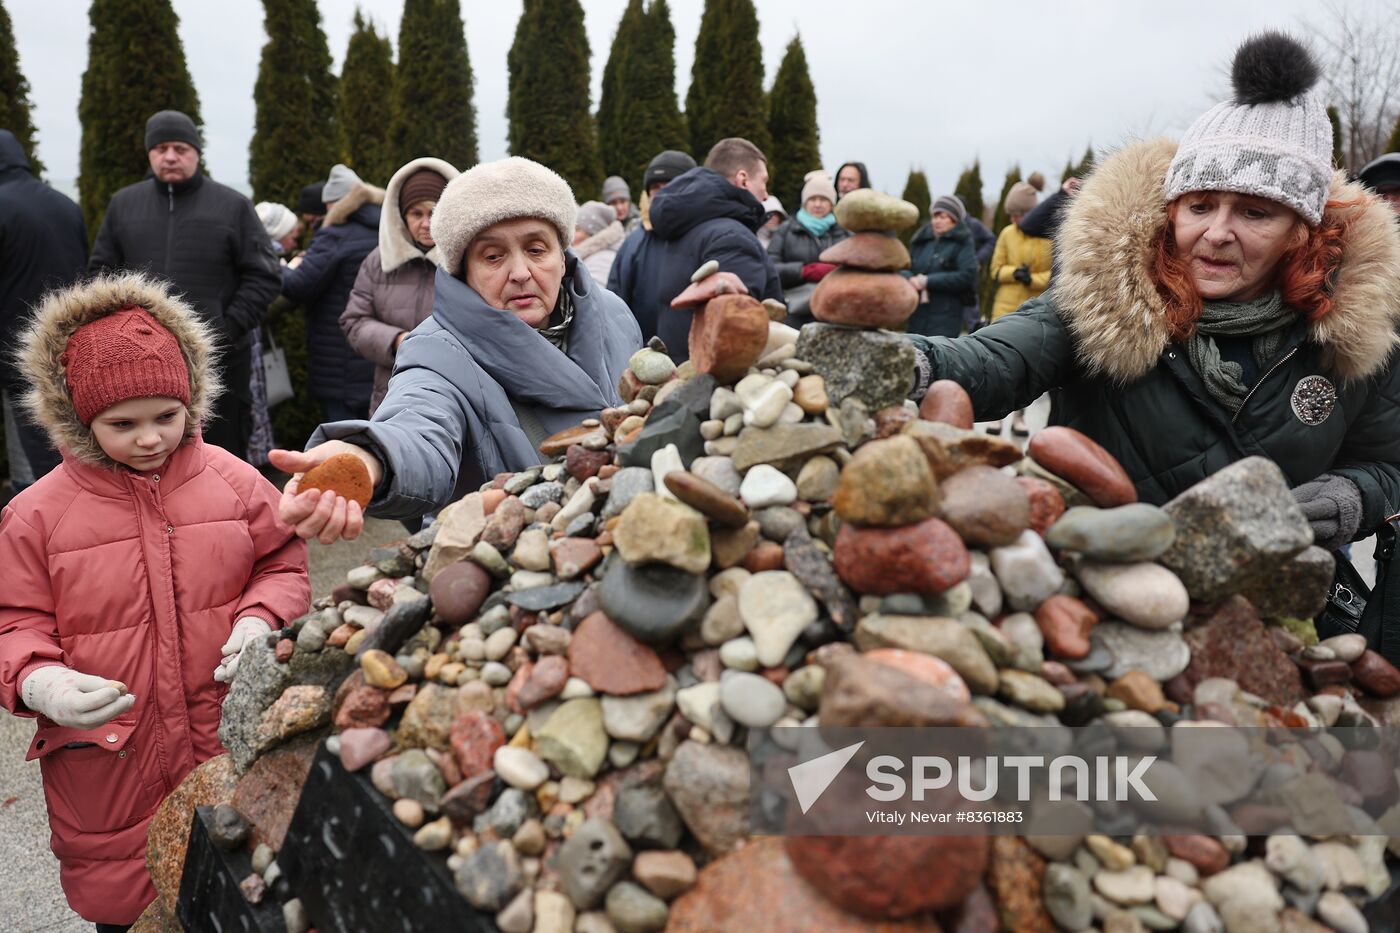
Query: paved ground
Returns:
{"type": "Point", "coordinates": [30, 897]}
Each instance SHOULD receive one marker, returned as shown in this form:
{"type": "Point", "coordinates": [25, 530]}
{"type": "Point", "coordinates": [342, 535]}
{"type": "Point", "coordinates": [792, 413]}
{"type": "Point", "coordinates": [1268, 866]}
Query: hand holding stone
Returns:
{"type": "Point", "coordinates": [73, 699]}
{"type": "Point", "coordinates": [325, 516]}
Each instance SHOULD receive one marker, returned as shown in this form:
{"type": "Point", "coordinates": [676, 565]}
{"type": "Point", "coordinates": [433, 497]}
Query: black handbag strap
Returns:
{"type": "Point", "coordinates": [1381, 621]}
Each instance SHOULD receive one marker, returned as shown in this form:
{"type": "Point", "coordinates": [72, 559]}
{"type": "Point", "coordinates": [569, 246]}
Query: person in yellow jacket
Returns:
{"type": "Point", "coordinates": [1021, 267]}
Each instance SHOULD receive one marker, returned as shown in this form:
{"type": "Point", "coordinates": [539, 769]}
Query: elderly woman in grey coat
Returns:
{"type": "Point", "coordinates": [522, 343]}
{"type": "Point", "coordinates": [393, 292]}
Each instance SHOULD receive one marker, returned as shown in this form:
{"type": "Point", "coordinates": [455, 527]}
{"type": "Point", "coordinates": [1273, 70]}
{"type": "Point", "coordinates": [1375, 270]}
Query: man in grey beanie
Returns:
{"type": "Point", "coordinates": [618, 196]}
{"type": "Point", "coordinates": [207, 242]}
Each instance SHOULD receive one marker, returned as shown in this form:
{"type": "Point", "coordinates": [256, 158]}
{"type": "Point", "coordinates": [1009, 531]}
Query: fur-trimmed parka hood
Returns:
{"type": "Point", "coordinates": [610, 237]}
{"type": "Point", "coordinates": [1105, 290]}
{"type": "Point", "coordinates": [62, 312]}
{"type": "Point", "coordinates": [341, 211]}
{"type": "Point", "coordinates": [396, 244]}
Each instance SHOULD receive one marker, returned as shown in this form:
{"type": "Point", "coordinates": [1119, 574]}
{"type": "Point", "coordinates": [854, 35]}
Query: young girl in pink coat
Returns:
{"type": "Point", "coordinates": [134, 574]}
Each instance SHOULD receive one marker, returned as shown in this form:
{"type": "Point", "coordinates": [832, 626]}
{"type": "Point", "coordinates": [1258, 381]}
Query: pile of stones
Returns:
{"type": "Point", "coordinates": [560, 682]}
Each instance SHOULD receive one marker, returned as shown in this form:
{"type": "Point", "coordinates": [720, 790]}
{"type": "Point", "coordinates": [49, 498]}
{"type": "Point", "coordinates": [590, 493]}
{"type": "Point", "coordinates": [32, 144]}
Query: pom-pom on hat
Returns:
{"type": "Point", "coordinates": [491, 192]}
{"type": "Point", "coordinates": [122, 356]}
{"type": "Point", "coordinates": [1272, 140]}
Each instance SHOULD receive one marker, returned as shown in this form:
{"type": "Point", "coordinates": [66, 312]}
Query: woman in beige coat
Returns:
{"type": "Point", "coordinates": [393, 293]}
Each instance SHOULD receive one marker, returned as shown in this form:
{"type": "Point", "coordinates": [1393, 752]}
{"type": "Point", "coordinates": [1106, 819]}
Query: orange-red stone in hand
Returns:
{"type": "Point", "coordinates": [343, 474]}
{"type": "Point", "coordinates": [727, 336]}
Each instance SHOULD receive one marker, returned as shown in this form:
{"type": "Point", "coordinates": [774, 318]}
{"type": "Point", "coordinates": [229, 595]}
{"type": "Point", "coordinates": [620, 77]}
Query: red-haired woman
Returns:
{"type": "Point", "coordinates": [1217, 299]}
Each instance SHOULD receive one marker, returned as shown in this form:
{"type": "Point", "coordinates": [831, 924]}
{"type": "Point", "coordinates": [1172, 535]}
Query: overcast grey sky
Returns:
{"type": "Point", "coordinates": [900, 83]}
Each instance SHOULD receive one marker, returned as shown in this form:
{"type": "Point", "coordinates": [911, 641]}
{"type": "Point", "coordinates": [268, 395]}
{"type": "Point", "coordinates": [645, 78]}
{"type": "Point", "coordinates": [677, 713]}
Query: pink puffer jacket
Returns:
{"type": "Point", "coordinates": [136, 577]}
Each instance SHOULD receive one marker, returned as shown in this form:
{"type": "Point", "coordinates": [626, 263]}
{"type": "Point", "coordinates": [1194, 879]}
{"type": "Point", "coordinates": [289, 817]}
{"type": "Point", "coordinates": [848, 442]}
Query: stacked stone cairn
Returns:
{"type": "Point", "coordinates": [560, 682]}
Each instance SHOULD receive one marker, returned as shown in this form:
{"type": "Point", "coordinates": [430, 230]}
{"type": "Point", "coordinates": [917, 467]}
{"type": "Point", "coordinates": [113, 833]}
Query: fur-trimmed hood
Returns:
{"type": "Point", "coordinates": [396, 244]}
{"type": "Point", "coordinates": [359, 196]}
{"type": "Point", "coordinates": [1105, 290]}
{"type": "Point", "coordinates": [610, 237]}
{"type": "Point", "coordinates": [63, 312]}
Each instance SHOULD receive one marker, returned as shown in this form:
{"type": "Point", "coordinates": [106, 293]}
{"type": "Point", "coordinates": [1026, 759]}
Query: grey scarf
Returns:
{"type": "Point", "coordinates": [556, 329]}
{"type": "Point", "coordinates": [1266, 319]}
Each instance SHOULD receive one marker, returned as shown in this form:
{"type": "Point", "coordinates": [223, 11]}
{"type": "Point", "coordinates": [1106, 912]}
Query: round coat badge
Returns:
{"type": "Point", "coordinates": [1314, 397]}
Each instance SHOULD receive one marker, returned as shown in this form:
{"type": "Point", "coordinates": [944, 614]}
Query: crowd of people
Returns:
{"type": "Point", "coordinates": [1186, 305]}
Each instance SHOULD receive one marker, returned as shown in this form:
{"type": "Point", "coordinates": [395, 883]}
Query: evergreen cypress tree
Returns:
{"type": "Point", "coordinates": [1394, 144]}
{"type": "Point", "coordinates": [969, 189]}
{"type": "Point", "coordinates": [122, 90]}
{"type": "Point", "coordinates": [792, 125]}
{"type": "Point", "coordinates": [613, 101]}
{"type": "Point", "coordinates": [294, 138]}
{"type": "Point", "coordinates": [366, 104]}
{"type": "Point", "coordinates": [1001, 218]}
{"type": "Point", "coordinates": [726, 82]}
{"type": "Point", "coordinates": [433, 110]}
{"type": "Point", "coordinates": [15, 107]}
{"type": "Point", "coordinates": [637, 114]}
{"type": "Point", "coordinates": [651, 82]}
{"type": "Point", "coordinates": [1335, 119]}
{"type": "Point", "coordinates": [916, 193]}
{"type": "Point", "coordinates": [1086, 164]}
{"type": "Point", "coordinates": [548, 107]}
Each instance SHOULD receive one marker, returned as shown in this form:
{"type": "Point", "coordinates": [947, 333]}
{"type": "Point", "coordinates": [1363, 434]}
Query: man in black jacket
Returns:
{"type": "Point", "coordinates": [43, 246]}
{"type": "Point", "coordinates": [205, 239]}
{"type": "Point", "coordinates": [711, 212]}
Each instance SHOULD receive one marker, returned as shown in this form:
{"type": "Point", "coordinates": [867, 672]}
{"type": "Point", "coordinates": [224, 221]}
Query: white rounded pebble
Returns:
{"type": "Point", "coordinates": [764, 407]}
{"type": "Point", "coordinates": [495, 673]}
{"type": "Point", "coordinates": [775, 608]}
{"type": "Point", "coordinates": [764, 485]}
{"type": "Point", "coordinates": [739, 654]}
{"type": "Point", "coordinates": [752, 700]}
{"type": "Point", "coordinates": [520, 767]}
{"type": "Point", "coordinates": [666, 460]}
{"type": "Point", "coordinates": [500, 643]}
{"type": "Point", "coordinates": [575, 688]}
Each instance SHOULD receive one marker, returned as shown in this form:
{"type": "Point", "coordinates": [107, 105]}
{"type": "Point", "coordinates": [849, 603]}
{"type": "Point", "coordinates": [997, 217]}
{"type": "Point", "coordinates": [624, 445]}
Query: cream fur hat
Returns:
{"type": "Point", "coordinates": [491, 192]}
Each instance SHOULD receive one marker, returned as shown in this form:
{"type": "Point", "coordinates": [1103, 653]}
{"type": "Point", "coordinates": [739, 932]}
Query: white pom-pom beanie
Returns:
{"type": "Point", "coordinates": [1273, 140]}
{"type": "Point", "coordinates": [491, 192]}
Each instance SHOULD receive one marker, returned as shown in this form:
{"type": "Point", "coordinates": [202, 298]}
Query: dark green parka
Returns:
{"type": "Point", "coordinates": [1100, 343]}
{"type": "Point", "coordinates": [950, 262]}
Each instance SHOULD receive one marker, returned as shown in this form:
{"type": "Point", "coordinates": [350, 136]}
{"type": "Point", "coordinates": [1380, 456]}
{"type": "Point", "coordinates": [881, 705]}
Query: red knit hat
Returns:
{"type": "Point", "coordinates": [122, 356]}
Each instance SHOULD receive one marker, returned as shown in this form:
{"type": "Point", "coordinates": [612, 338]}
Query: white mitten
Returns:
{"type": "Point", "coordinates": [69, 698]}
{"type": "Point", "coordinates": [245, 630]}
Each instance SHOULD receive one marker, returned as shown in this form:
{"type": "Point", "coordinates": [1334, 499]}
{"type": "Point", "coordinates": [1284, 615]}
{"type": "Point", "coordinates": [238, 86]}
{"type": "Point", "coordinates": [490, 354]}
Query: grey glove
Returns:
{"type": "Point", "coordinates": [1332, 505]}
